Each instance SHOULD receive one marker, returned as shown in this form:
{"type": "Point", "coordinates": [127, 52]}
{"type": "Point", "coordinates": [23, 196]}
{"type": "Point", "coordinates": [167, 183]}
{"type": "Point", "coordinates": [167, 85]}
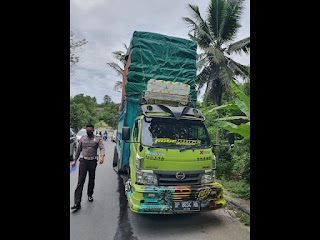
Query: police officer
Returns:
{"type": "Point", "coordinates": [88, 146]}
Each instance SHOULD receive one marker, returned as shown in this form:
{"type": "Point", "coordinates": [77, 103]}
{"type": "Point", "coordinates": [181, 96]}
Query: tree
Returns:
{"type": "Point", "coordinates": [119, 55]}
{"type": "Point", "coordinates": [214, 36]}
{"type": "Point", "coordinates": [89, 103]}
{"type": "Point", "coordinates": [75, 47]}
{"type": "Point", "coordinates": [110, 115]}
{"type": "Point", "coordinates": [79, 116]}
{"type": "Point", "coordinates": [107, 99]}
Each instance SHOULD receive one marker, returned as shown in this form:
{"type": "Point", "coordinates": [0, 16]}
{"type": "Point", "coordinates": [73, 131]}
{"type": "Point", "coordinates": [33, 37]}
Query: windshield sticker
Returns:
{"type": "Point", "coordinates": [154, 153]}
{"type": "Point", "coordinates": [203, 152]}
{"type": "Point", "coordinates": [178, 142]}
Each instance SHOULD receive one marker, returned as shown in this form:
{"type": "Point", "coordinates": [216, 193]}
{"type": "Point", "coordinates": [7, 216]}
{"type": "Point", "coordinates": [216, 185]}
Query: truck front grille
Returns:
{"type": "Point", "coordinates": [168, 178]}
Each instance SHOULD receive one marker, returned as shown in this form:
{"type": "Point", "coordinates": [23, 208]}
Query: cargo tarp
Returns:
{"type": "Point", "coordinates": [161, 57]}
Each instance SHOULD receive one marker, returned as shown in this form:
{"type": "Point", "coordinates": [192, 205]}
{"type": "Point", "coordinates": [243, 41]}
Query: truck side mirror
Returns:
{"type": "Point", "coordinates": [125, 133]}
{"type": "Point", "coordinates": [231, 138]}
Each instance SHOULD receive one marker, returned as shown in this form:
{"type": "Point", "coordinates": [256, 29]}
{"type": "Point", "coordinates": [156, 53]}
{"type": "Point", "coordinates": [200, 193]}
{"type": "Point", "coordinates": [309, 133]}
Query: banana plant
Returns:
{"type": "Point", "coordinates": [243, 104]}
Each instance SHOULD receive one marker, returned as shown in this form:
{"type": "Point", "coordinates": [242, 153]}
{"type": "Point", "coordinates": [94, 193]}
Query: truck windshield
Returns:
{"type": "Point", "coordinates": [172, 133]}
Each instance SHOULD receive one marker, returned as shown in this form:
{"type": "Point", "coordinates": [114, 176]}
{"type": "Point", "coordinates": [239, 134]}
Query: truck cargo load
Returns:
{"type": "Point", "coordinates": [160, 57]}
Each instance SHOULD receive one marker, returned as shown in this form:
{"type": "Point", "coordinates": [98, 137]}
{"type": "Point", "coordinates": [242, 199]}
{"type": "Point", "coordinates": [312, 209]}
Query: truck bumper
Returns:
{"type": "Point", "coordinates": [162, 200]}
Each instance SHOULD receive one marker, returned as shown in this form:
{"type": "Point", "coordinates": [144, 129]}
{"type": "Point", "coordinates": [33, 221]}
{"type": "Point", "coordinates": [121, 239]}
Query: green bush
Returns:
{"type": "Point", "coordinates": [232, 165]}
{"type": "Point", "coordinates": [241, 156]}
{"type": "Point", "coordinates": [224, 163]}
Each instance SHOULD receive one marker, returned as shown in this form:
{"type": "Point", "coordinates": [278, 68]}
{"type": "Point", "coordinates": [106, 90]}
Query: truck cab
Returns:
{"type": "Point", "coordinates": [172, 165]}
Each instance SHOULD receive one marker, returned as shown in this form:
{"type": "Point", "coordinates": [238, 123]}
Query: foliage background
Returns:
{"type": "Point", "coordinates": [233, 164]}
{"type": "Point", "coordinates": [83, 110]}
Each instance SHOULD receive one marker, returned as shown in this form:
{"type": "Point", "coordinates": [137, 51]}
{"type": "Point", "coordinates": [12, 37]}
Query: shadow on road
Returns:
{"type": "Point", "coordinates": [124, 229]}
{"type": "Point", "coordinates": [170, 223]}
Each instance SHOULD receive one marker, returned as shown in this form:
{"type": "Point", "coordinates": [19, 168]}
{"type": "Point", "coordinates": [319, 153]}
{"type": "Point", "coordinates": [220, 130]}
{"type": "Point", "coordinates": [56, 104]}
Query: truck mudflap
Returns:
{"type": "Point", "coordinates": [174, 199]}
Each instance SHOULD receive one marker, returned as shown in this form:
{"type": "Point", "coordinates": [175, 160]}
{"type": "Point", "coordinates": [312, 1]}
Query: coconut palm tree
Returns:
{"type": "Point", "coordinates": [214, 36]}
{"type": "Point", "coordinates": [119, 55]}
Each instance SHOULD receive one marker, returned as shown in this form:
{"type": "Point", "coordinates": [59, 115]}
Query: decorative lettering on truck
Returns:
{"type": "Point", "coordinates": [178, 141]}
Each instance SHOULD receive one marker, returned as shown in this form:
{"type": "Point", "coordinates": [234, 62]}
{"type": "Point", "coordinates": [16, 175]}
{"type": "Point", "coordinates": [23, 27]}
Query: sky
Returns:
{"type": "Point", "coordinates": [108, 24]}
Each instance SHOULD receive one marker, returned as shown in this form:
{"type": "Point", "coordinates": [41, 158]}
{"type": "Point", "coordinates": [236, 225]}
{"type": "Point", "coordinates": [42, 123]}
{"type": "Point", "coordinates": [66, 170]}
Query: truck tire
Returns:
{"type": "Point", "coordinates": [115, 157]}
{"type": "Point", "coordinates": [121, 170]}
{"type": "Point", "coordinates": [127, 170]}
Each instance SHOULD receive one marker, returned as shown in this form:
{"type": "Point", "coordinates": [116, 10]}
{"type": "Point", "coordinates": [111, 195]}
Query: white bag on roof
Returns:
{"type": "Point", "coordinates": [181, 89]}
{"type": "Point", "coordinates": [154, 85]}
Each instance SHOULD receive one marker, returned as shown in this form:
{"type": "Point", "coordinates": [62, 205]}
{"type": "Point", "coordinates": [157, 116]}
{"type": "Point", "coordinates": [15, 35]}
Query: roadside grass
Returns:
{"type": "Point", "coordinates": [240, 188]}
{"type": "Point", "coordinates": [242, 217]}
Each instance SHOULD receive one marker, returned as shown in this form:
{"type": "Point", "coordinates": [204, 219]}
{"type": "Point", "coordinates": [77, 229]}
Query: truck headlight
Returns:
{"type": "Point", "coordinates": [208, 177]}
{"type": "Point", "coordinates": [146, 178]}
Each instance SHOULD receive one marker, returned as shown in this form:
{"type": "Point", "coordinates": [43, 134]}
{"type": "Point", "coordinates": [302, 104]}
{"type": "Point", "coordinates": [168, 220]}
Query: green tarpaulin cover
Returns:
{"type": "Point", "coordinates": [160, 57]}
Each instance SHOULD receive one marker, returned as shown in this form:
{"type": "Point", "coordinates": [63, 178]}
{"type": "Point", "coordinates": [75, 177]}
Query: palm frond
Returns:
{"type": "Point", "coordinates": [202, 44]}
{"type": "Point", "coordinates": [201, 31]}
{"type": "Point", "coordinates": [203, 77]}
{"type": "Point", "coordinates": [238, 47]}
{"type": "Point", "coordinates": [196, 13]}
{"type": "Point", "coordinates": [117, 68]}
{"type": "Point", "coordinates": [201, 63]}
{"type": "Point", "coordinates": [201, 56]}
{"type": "Point", "coordinates": [193, 38]}
{"type": "Point", "coordinates": [199, 26]}
{"type": "Point", "coordinates": [239, 69]}
{"type": "Point", "coordinates": [117, 86]}
{"type": "Point", "coordinates": [189, 21]}
{"type": "Point", "coordinates": [216, 12]}
{"type": "Point", "coordinates": [217, 54]}
{"type": "Point", "coordinates": [227, 74]}
{"type": "Point", "coordinates": [231, 20]}
{"type": "Point", "coordinates": [119, 55]}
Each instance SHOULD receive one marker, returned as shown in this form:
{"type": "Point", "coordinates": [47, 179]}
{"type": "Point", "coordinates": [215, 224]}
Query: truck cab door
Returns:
{"type": "Point", "coordinates": [136, 137]}
{"type": "Point", "coordinates": [134, 145]}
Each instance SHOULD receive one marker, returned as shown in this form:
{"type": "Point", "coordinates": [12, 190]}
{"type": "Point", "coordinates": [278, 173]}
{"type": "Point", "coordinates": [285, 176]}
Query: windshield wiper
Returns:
{"type": "Point", "coordinates": [164, 146]}
{"type": "Point", "coordinates": [187, 147]}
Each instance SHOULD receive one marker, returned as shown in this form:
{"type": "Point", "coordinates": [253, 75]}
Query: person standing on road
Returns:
{"type": "Point", "coordinates": [88, 146]}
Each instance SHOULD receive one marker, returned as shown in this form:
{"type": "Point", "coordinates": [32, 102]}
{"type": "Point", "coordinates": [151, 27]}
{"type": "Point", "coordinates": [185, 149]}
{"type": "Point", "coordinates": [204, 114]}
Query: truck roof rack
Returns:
{"type": "Point", "coordinates": [177, 112]}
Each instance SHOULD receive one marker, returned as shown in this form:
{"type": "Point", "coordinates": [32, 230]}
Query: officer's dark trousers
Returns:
{"type": "Point", "coordinates": [85, 165]}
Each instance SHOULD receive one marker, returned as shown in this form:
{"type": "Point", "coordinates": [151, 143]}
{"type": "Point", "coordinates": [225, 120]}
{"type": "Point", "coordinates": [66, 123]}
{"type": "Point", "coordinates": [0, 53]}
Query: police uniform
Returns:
{"type": "Point", "coordinates": [88, 162]}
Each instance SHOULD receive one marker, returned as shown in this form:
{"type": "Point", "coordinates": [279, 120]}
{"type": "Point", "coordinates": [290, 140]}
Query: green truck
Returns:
{"type": "Point", "coordinates": [162, 142]}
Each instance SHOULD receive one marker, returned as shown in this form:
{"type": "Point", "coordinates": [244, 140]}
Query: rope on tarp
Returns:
{"type": "Point", "coordinates": [143, 77]}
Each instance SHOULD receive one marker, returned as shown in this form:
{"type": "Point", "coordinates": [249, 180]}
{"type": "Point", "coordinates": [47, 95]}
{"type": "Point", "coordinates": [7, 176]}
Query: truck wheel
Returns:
{"type": "Point", "coordinates": [115, 157]}
{"type": "Point", "coordinates": [127, 170]}
{"type": "Point", "coordinates": [121, 170]}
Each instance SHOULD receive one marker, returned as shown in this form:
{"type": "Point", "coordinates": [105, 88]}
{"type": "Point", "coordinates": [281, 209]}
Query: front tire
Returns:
{"type": "Point", "coordinates": [115, 157]}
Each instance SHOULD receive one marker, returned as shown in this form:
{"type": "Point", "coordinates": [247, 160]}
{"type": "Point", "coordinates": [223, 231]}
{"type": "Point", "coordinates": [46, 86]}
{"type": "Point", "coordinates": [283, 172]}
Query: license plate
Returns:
{"type": "Point", "coordinates": [186, 206]}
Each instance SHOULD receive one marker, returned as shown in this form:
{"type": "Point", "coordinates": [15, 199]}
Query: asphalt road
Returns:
{"type": "Point", "coordinates": [108, 216]}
